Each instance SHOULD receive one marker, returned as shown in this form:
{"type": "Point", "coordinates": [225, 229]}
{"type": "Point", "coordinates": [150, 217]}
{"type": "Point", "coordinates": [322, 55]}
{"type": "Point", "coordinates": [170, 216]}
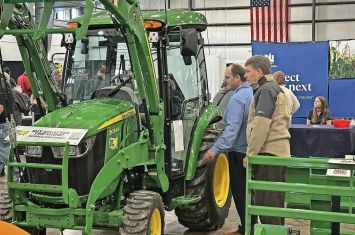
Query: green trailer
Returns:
{"type": "Point", "coordinates": [331, 196]}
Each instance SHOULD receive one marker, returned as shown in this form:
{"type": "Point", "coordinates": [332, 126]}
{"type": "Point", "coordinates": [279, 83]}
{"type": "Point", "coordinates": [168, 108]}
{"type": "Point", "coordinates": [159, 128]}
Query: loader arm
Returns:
{"type": "Point", "coordinates": [33, 54]}
{"type": "Point", "coordinates": [16, 20]}
{"type": "Point", "coordinates": [130, 17]}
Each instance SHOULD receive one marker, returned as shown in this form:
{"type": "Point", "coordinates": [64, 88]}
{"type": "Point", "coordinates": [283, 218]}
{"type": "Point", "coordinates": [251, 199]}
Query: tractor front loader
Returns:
{"type": "Point", "coordinates": [120, 143]}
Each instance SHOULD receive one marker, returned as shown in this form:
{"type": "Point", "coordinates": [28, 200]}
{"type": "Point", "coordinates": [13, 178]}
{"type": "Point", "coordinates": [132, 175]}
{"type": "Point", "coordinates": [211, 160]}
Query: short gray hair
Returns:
{"type": "Point", "coordinates": [279, 77]}
{"type": "Point", "coordinates": [238, 70]}
{"type": "Point", "coordinates": [260, 62]}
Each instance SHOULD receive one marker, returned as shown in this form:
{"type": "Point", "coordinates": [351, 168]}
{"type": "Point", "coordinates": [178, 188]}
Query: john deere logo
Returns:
{"type": "Point", "coordinates": [113, 143]}
{"type": "Point", "coordinates": [22, 132]}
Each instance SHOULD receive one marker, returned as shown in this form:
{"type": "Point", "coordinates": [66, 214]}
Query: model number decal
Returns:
{"type": "Point", "coordinates": [118, 118]}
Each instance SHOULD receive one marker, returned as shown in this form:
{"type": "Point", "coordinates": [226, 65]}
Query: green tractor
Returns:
{"type": "Point", "coordinates": [120, 144]}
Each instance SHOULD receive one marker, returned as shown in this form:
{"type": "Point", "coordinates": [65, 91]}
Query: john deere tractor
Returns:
{"type": "Point", "coordinates": [120, 143]}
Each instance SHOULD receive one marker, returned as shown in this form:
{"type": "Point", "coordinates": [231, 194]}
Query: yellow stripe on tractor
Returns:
{"type": "Point", "coordinates": [118, 118]}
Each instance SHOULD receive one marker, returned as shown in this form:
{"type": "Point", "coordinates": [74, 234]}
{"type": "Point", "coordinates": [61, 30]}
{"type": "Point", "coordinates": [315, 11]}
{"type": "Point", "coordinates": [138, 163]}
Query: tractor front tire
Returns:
{"type": "Point", "coordinates": [211, 183]}
{"type": "Point", "coordinates": [5, 206]}
{"type": "Point", "coordinates": [6, 213]}
{"type": "Point", "coordinates": [143, 214]}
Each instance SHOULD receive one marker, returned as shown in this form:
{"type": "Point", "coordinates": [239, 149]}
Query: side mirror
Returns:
{"type": "Point", "coordinates": [188, 42]}
{"type": "Point", "coordinates": [84, 46]}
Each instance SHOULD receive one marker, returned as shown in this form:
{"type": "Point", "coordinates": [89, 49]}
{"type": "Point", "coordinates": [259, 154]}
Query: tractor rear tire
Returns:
{"type": "Point", "coordinates": [143, 214]}
{"type": "Point", "coordinates": [5, 206]}
{"type": "Point", "coordinates": [205, 215]}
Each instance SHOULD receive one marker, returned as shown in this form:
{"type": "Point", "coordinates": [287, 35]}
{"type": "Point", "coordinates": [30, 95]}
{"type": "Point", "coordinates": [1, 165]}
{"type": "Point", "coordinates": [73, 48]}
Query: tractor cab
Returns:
{"type": "Point", "coordinates": [97, 61]}
{"type": "Point", "coordinates": [99, 66]}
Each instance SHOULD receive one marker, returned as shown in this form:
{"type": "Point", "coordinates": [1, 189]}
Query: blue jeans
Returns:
{"type": "Point", "coordinates": [5, 149]}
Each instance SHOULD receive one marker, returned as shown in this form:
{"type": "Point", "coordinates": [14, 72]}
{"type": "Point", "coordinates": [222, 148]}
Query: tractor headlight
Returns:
{"type": "Point", "coordinates": [34, 151]}
{"type": "Point", "coordinates": [58, 152]}
{"type": "Point", "coordinates": [75, 151]}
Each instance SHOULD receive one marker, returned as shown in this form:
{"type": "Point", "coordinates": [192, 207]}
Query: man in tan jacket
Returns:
{"type": "Point", "coordinates": [267, 130]}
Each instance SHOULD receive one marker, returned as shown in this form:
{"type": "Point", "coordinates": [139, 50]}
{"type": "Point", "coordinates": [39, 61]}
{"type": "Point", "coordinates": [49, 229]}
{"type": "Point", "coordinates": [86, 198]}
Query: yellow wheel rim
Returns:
{"type": "Point", "coordinates": [221, 180]}
{"type": "Point", "coordinates": [155, 223]}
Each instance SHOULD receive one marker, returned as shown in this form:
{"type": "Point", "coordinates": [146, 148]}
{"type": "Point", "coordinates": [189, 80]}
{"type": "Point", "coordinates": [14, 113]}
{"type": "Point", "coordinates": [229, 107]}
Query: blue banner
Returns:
{"type": "Point", "coordinates": [305, 66]}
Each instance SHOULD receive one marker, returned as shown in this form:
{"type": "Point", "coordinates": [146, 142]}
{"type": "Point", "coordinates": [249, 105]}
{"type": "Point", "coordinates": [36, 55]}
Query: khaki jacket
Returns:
{"type": "Point", "coordinates": [269, 120]}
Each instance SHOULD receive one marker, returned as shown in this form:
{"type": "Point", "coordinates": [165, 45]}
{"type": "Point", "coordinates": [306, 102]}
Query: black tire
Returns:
{"type": "Point", "coordinates": [204, 215]}
{"type": "Point", "coordinates": [138, 213]}
{"type": "Point", "coordinates": [5, 206]}
{"type": "Point", "coordinates": [6, 213]}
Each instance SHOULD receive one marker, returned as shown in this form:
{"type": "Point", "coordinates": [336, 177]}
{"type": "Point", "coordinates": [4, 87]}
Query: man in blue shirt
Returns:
{"type": "Point", "coordinates": [233, 139]}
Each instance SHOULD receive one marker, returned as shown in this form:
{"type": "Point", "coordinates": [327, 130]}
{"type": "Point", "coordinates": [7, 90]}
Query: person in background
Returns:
{"type": "Point", "coordinates": [35, 108]}
{"type": "Point", "coordinates": [22, 101]}
{"type": "Point", "coordinates": [96, 82]}
{"type": "Point", "coordinates": [22, 105]}
{"type": "Point", "coordinates": [7, 106]}
{"type": "Point", "coordinates": [221, 100]}
{"type": "Point", "coordinates": [11, 80]}
{"type": "Point", "coordinates": [24, 83]}
{"type": "Point", "coordinates": [319, 115]}
{"type": "Point", "coordinates": [57, 76]}
{"type": "Point", "coordinates": [233, 139]}
{"type": "Point", "coordinates": [99, 77]}
{"type": "Point", "coordinates": [267, 132]}
{"type": "Point", "coordinates": [292, 101]}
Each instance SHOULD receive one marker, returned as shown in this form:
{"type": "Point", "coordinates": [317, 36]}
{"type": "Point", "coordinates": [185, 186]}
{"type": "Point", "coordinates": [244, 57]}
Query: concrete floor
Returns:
{"type": "Point", "coordinates": [172, 226]}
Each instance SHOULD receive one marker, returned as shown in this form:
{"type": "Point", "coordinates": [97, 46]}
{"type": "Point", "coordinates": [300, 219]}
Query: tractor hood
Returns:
{"type": "Point", "coordinates": [94, 115]}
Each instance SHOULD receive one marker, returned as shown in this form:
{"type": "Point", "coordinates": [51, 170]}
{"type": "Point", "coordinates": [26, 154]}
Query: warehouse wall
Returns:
{"type": "Point", "coordinates": [237, 34]}
{"type": "Point", "coordinates": [241, 34]}
{"type": "Point", "coordinates": [9, 48]}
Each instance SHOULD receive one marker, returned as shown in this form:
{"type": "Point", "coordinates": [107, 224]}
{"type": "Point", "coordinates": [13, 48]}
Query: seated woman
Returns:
{"type": "Point", "coordinates": [319, 115]}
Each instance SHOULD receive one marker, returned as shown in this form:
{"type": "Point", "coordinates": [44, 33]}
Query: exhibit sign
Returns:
{"type": "Point", "coordinates": [305, 66]}
{"type": "Point", "coordinates": [50, 135]}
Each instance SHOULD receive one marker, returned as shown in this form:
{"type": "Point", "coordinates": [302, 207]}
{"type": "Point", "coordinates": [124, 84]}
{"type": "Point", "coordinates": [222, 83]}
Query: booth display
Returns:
{"type": "Point", "coordinates": [321, 141]}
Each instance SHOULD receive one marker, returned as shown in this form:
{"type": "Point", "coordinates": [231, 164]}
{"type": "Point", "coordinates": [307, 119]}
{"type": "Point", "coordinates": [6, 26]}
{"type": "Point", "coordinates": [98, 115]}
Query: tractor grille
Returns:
{"type": "Point", "coordinates": [82, 171]}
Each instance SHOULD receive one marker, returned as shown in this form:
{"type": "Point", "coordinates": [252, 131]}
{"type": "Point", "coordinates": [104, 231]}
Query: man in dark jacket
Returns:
{"type": "Point", "coordinates": [221, 99]}
{"type": "Point", "coordinates": [11, 79]}
{"type": "Point", "coordinates": [7, 103]}
{"type": "Point", "coordinates": [22, 105]}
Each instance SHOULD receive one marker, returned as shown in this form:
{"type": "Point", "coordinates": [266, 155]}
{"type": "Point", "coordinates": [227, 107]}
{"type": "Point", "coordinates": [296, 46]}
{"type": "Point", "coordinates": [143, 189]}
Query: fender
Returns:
{"type": "Point", "coordinates": [209, 115]}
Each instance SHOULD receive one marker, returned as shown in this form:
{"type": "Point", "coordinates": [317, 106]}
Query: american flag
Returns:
{"type": "Point", "coordinates": [269, 20]}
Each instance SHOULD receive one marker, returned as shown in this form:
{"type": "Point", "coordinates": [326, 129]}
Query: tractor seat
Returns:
{"type": "Point", "coordinates": [125, 93]}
